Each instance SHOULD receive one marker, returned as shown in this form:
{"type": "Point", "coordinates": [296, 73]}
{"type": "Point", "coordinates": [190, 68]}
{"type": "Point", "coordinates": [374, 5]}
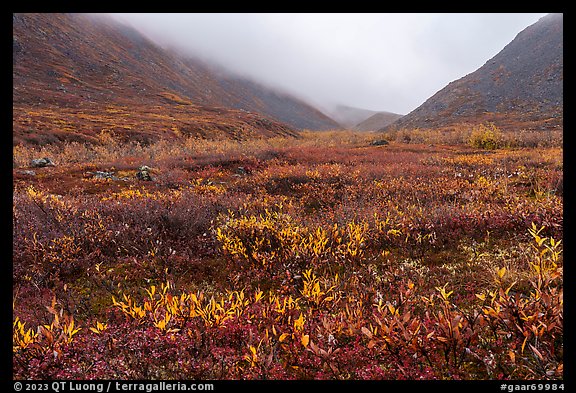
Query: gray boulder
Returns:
{"type": "Point", "coordinates": [105, 175]}
{"type": "Point", "coordinates": [144, 173]}
{"type": "Point", "coordinates": [41, 162]}
{"type": "Point", "coordinates": [28, 172]}
{"type": "Point", "coordinates": [379, 142]}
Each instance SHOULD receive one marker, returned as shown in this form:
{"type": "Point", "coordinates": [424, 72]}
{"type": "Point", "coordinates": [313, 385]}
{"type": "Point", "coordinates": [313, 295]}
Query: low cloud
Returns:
{"type": "Point", "coordinates": [390, 62]}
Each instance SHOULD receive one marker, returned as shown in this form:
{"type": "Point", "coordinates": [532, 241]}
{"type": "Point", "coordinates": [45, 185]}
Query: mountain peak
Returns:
{"type": "Point", "coordinates": [519, 88]}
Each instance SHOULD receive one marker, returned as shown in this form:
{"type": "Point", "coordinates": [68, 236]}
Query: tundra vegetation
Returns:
{"type": "Point", "coordinates": [435, 256]}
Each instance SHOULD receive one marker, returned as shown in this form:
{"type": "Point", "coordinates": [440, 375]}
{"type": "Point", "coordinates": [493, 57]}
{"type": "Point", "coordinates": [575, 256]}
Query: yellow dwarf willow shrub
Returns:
{"type": "Point", "coordinates": [486, 136]}
{"type": "Point", "coordinates": [317, 294]}
{"type": "Point", "coordinates": [166, 311]}
{"type": "Point", "coordinates": [274, 237]}
{"type": "Point", "coordinates": [22, 337]}
{"type": "Point", "coordinates": [99, 328]}
{"type": "Point", "coordinates": [547, 254]}
{"type": "Point", "coordinates": [130, 193]}
{"type": "Point", "coordinates": [281, 306]}
{"type": "Point", "coordinates": [356, 236]}
{"type": "Point", "coordinates": [535, 320]}
{"type": "Point", "coordinates": [202, 186]}
{"type": "Point", "coordinates": [47, 337]}
{"type": "Point", "coordinates": [263, 240]}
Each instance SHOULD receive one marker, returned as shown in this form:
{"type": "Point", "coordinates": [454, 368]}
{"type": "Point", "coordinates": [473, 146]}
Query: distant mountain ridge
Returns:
{"type": "Point", "coordinates": [75, 75]}
{"type": "Point", "coordinates": [377, 121]}
{"type": "Point", "coordinates": [519, 88]}
{"type": "Point", "coordinates": [349, 116]}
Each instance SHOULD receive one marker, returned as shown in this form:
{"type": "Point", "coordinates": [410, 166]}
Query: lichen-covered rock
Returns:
{"type": "Point", "coordinates": [28, 172]}
{"type": "Point", "coordinates": [144, 173]}
{"type": "Point", "coordinates": [105, 175]}
{"type": "Point", "coordinates": [41, 162]}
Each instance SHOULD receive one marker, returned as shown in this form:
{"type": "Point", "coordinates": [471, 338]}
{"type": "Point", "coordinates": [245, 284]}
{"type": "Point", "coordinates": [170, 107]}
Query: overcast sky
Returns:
{"type": "Point", "coordinates": [389, 62]}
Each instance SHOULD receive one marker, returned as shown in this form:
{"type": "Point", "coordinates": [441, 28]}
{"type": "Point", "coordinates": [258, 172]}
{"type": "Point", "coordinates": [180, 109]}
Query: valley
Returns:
{"type": "Point", "coordinates": [172, 220]}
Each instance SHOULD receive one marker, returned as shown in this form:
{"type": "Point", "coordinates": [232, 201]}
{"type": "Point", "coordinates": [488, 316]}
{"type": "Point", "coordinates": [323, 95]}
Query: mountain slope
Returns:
{"type": "Point", "coordinates": [75, 75]}
{"type": "Point", "coordinates": [243, 93]}
{"type": "Point", "coordinates": [377, 121]}
{"type": "Point", "coordinates": [520, 87]}
{"type": "Point", "coordinates": [349, 116]}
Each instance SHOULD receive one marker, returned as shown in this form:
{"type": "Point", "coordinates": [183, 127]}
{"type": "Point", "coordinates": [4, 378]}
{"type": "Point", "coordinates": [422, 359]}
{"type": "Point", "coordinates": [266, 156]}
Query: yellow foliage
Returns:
{"type": "Point", "coordinates": [274, 236]}
{"type": "Point", "coordinates": [132, 193]}
{"type": "Point", "coordinates": [99, 328]}
{"type": "Point", "coordinates": [200, 186]}
{"type": "Point", "coordinates": [22, 337]}
{"type": "Point", "coordinates": [317, 294]}
{"type": "Point", "coordinates": [299, 323]}
{"type": "Point", "coordinates": [486, 136]}
{"type": "Point", "coordinates": [213, 311]}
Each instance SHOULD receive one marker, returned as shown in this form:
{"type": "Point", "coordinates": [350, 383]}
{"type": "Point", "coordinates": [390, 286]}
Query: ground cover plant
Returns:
{"type": "Point", "coordinates": [436, 256]}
